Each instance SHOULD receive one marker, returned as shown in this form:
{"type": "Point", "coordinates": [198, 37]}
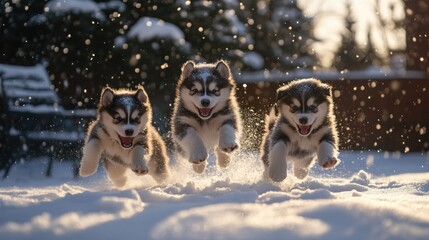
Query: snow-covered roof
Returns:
{"type": "Point", "coordinates": [148, 28]}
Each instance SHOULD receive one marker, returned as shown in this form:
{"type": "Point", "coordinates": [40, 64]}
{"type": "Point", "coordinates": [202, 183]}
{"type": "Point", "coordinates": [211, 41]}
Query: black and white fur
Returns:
{"type": "Point", "coordinates": [124, 137]}
{"type": "Point", "coordinates": [206, 114]}
{"type": "Point", "coordinates": [300, 128]}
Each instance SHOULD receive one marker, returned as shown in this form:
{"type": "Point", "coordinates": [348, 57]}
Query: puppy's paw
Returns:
{"type": "Point", "coordinates": [161, 177]}
{"type": "Point", "coordinates": [277, 176]}
{"type": "Point", "coordinates": [277, 169]}
{"type": "Point", "coordinates": [140, 168]}
{"type": "Point", "coordinates": [223, 160]}
{"type": "Point", "coordinates": [199, 168]}
{"type": "Point", "coordinates": [329, 163]}
{"type": "Point", "coordinates": [300, 173]}
{"type": "Point", "coordinates": [228, 146]}
{"type": "Point", "coordinates": [87, 168]}
{"type": "Point", "coordinates": [119, 182]}
{"type": "Point", "coordinates": [142, 171]}
{"type": "Point", "coordinates": [198, 156]}
{"type": "Point", "coordinates": [84, 172]}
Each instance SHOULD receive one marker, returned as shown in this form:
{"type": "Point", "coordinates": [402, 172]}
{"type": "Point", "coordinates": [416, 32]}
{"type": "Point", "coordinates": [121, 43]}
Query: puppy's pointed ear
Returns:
{"type": "Point", "coordinates": [275, 110]}
{"type": "Point", "coordinates": [141, 94]}
{"type": "Point", "coordinates": [187, 69]}
{"type": "Point", "coordinates": [106, 97]}
{"type": "Point", "coordinates": [223, 69]}
{"type": "Point", "coordinates": [281, 93]}
{"type": "Point", "coordinates": [327, 90]}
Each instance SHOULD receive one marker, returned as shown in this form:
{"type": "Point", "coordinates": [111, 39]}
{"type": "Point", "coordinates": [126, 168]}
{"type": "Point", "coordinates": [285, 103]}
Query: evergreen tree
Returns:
{"type": "Point", "coordinates": [282, 33]}
{"type": "Point", "coordinates": [349, 55]}
{"type": "Point", "coordinates": [370, 55]}
{"type": "Point", "coordinates": [16, 36]}
{"type": "Point", "coordinates": [75, 46]}
{"type": "Point", "coordinates": [262, 30]}
{"type": "Point", "coordinates": [293, 35]}
{"type": "Point", "coordinates": [215, 30]}
{"type": "Point", "coordinates": [155, 62]}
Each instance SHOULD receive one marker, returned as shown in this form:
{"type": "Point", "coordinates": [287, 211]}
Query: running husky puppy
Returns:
{"type": "Point", "coordinates": [206, 114]}
{"type": "Point", "coordinates": [300, 127]}
{"type": "Point", "coordinates": [124, 137]}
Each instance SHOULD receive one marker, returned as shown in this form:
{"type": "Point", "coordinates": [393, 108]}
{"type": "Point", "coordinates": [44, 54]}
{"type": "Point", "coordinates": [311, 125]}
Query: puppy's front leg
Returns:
{"type": "Point", "coordinates": [138, 161]}
{"type": "Point", "coordinates": [228, 139]}
{"type": "Point", "coordinates": [277, 166]}
{"type": "Point", "coordinates": [327, 155]}
{"type": "Point", "coordinates": [91, 157]}
{"type": "Point", "coordinates": [194, 147]}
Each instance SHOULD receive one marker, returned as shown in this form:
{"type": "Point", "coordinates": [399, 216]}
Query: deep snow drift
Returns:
{"type": "Point", "coordinates": [369, 196]}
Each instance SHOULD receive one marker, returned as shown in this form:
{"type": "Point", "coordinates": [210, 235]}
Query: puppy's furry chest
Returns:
{"type": "Point", "coordinates": [114, 152]}
{"type": "Point", "coordinates": [299, 146]}
{"type": "Point", "coordinates": [302, 147]}
{"type": "Point", "coordinates": [209, 134]}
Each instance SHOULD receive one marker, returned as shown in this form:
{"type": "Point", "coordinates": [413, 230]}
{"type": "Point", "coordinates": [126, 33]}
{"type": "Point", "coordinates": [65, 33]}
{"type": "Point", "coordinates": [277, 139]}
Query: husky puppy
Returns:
{"type": "Point", "coordinates": [124, 137]}
{"type": "Point", "coordinates": [300, 128]}
{"type": "Point", "coordinates": [206, 114]}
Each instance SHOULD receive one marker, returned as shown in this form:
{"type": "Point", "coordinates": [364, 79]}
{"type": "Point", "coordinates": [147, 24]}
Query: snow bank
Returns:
{"type": "Point", "coordinates": [385, 200]}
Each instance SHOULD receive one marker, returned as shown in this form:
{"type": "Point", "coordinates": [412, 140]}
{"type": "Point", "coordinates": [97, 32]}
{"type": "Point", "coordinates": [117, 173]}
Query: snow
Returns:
{"type": "Point", "coordinates": [25, 81]}
{"type": "Point", "coordinates": [75, 6]}
{"type": "Point", "coordinates": [254, 60]}
{"type": "Point", "coordinates": [148, 28]}
{"type": "Point", "coordinates": [369, 196]}
{"type": "Point", "coordinates": [229, 27]}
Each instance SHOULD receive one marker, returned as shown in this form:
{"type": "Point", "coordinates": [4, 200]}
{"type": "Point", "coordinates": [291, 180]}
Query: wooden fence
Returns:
{"type": "Point", "coordinates": [379, 114]}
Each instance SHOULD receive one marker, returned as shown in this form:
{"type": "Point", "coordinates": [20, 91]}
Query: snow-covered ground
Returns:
{"type": "Point", "coordinates": [369, 196]}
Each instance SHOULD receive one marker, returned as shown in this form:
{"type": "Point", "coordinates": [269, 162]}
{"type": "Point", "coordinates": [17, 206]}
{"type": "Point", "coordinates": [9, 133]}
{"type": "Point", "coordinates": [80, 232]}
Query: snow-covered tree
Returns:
{"type": "Point", "coordinates": [216, 31]}
{"type": "Point", "coordinates": [75, 43]}
{"type": "Point", "coordinates": [349, 55]}
{"type": "Point", "coordinates": [87, 44]}
{"type": "Point", "coordinates": [153, 50]}
{"type": "Point", "coordinates": [282, 33]}
{"type": "Point", "coordinates": [17, 38]}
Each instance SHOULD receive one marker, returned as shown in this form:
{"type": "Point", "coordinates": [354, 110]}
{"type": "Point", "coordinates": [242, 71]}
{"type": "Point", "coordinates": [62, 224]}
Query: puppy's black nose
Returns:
{"type": "Point", "coordinates": [303, 120]}
{"type": "Point", "coordinates": [129, 132]}
{"type": "Point", "coordinates": [205, 102]}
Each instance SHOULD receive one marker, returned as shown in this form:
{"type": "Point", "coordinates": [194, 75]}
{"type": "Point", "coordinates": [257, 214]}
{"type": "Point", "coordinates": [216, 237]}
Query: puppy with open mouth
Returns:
{"type": "Point", "coordinates": [124, 138]}
{"type": "Point", "coordinates": [206, 114]}
{"type": "Point", "coordinates": [300, 128]}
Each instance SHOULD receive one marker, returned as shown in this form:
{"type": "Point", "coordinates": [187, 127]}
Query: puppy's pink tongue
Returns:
{"type": "Point", "coordinates": [304, 129]}
{"type": "Point", "coordinates": [126, 141]}
{"type": "Point", "coordinates": [205, 111]}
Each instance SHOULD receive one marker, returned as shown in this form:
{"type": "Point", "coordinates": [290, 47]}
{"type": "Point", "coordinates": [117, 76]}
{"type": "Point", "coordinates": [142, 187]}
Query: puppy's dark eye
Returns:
{"type": "Point", "coordinates": [294, 108]}
{"type": "Point", "coordinates": [117, 118]}
{"type": "Point", "coordinates": [312, 107]}
{"type": "Point", "coordinates": [194, 91]}
{"type": "Point", "coordinates": [215, 92]}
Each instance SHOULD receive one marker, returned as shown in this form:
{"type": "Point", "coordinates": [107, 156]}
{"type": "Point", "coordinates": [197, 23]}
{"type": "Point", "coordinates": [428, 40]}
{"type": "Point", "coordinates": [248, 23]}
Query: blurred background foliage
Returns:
{"type": "Point", "coordinates": [87, 44]}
